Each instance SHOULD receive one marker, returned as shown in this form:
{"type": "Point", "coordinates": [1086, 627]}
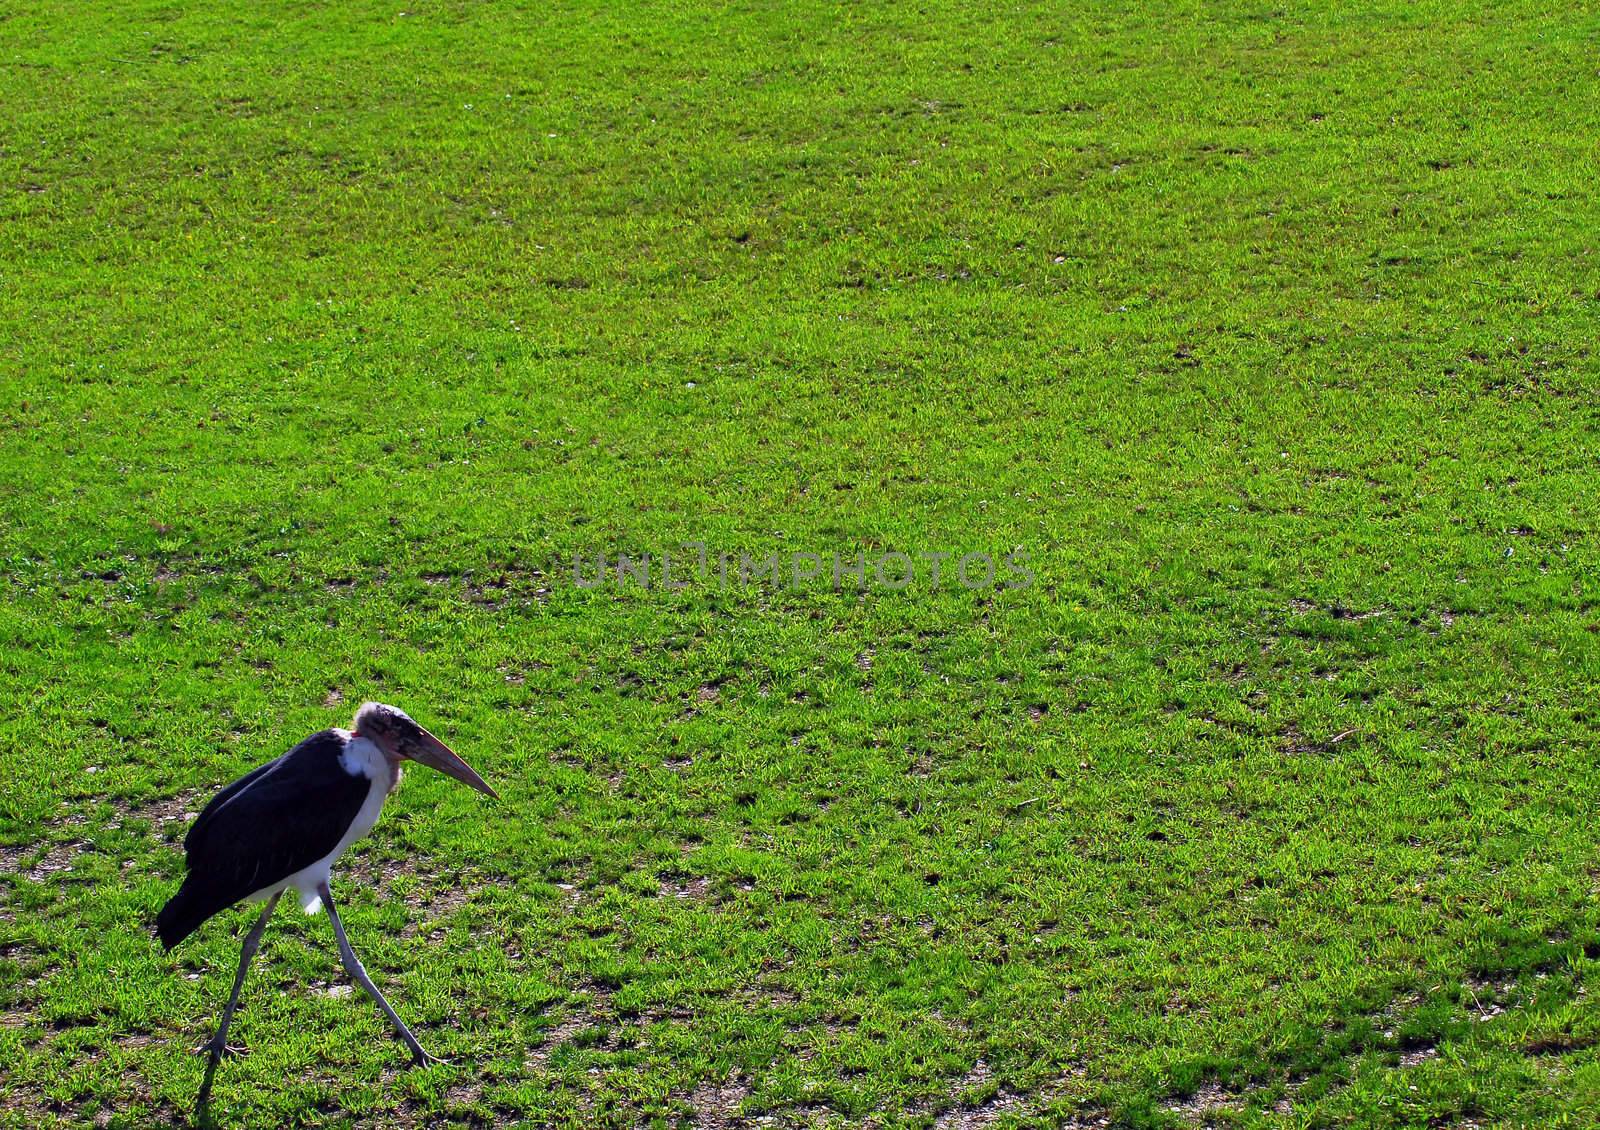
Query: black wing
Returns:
{"type": "Point", "coordinates": [261, 829]}
{"type": "Point", "coordinates": [196, 833]}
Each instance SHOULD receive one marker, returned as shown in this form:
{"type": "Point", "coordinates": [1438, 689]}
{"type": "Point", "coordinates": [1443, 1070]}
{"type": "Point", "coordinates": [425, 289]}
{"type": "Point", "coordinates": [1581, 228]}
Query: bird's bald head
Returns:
{"type": "Point", "coordinates": [386, 726]}
{"type": "Point", "coordinates": [393, 731]}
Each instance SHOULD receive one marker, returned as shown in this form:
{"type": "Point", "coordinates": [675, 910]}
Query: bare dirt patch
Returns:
{"type": "Point", "coordinates": [1293, 741]}
{"type": "Point", "coordinates": [697, 887]}
{"type": "Point", "coordinates": [1422, 1053]}
{"type": "Point", "coordinates": [715, 1103]}
{"type": "Point", "coordinates": [374, 870]}
{"type": "Point", "coordinates": [434, 907]}
{"type": "Point", "coordinates": [41, 867]}
{"type": "Point", "coordinates": [969, 1115]}
{"type": "Point", "coordinates": [592, 1010]}
{"type": "Point", "coordinates": [562, 1033]}
{"type": "Point", "coordinates": [1210, 1099]}
{"type": "Point", "coordinates": [171, 816]}
{"type": "Point", "coordinates": [1486, 998]}
{"type": "Point", "coordinates": [1337, 610]}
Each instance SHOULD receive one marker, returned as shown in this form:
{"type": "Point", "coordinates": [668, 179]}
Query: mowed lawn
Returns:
{"type": "Point", "coordinates": [330, 335]}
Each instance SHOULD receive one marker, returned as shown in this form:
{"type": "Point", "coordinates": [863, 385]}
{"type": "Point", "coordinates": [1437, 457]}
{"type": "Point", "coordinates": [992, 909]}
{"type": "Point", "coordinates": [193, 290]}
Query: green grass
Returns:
{"type": "Point", "coordinates": [329, 337]}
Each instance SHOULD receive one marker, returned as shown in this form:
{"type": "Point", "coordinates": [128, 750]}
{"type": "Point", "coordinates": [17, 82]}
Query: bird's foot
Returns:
{"type": "Point", "coordinates": [221, 1050]}
{"type": "Point", "coordinates": [420, 1058]}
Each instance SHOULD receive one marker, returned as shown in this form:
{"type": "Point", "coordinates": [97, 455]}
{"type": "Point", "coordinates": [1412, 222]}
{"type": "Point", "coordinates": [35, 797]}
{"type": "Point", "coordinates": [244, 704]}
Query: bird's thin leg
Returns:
{"type": "Point", "coordinates": [353, 966]}
{"type": "Point", "coordinates": [218, 1044]}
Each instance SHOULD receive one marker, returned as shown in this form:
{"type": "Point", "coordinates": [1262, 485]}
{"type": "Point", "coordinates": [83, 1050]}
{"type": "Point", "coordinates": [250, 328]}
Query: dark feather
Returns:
{"type": "Point", "coordinates": [270, 823]}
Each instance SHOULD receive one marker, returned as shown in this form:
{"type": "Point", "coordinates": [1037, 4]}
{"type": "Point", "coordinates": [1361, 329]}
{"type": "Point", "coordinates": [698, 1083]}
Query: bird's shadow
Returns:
{"type": "Point", "coordinates": [202, 1103]}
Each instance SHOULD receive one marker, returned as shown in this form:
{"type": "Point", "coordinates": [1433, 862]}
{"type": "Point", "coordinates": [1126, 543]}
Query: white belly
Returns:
{"type": "Point", "coordinates": [306, 880]}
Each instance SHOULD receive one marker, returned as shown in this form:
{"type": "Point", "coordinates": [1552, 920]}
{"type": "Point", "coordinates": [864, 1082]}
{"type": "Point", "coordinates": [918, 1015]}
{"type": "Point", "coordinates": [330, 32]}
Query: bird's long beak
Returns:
{"type": "Point", "coordinates": [430, 751]}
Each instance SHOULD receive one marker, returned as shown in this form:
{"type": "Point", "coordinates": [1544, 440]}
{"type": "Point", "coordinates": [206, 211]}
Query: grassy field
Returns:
{"type": "Point", "coordinates": [329, 338]}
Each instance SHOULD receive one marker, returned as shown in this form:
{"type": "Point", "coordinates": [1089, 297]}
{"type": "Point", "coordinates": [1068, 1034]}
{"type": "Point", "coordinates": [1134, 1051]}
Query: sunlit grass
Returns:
{"type": "Point", "coordinates": [333, 335]}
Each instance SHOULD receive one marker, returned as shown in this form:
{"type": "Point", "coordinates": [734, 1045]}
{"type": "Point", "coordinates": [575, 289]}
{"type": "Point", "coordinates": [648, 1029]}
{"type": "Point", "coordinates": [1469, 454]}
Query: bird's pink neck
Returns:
{"type": "Point", "coordinates": [392, 760]}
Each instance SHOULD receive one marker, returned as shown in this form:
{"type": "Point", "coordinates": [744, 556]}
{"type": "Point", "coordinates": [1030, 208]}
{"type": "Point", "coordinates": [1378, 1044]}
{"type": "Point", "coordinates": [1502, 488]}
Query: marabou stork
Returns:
{"type": "Point", "coordinates": [280, 828]}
